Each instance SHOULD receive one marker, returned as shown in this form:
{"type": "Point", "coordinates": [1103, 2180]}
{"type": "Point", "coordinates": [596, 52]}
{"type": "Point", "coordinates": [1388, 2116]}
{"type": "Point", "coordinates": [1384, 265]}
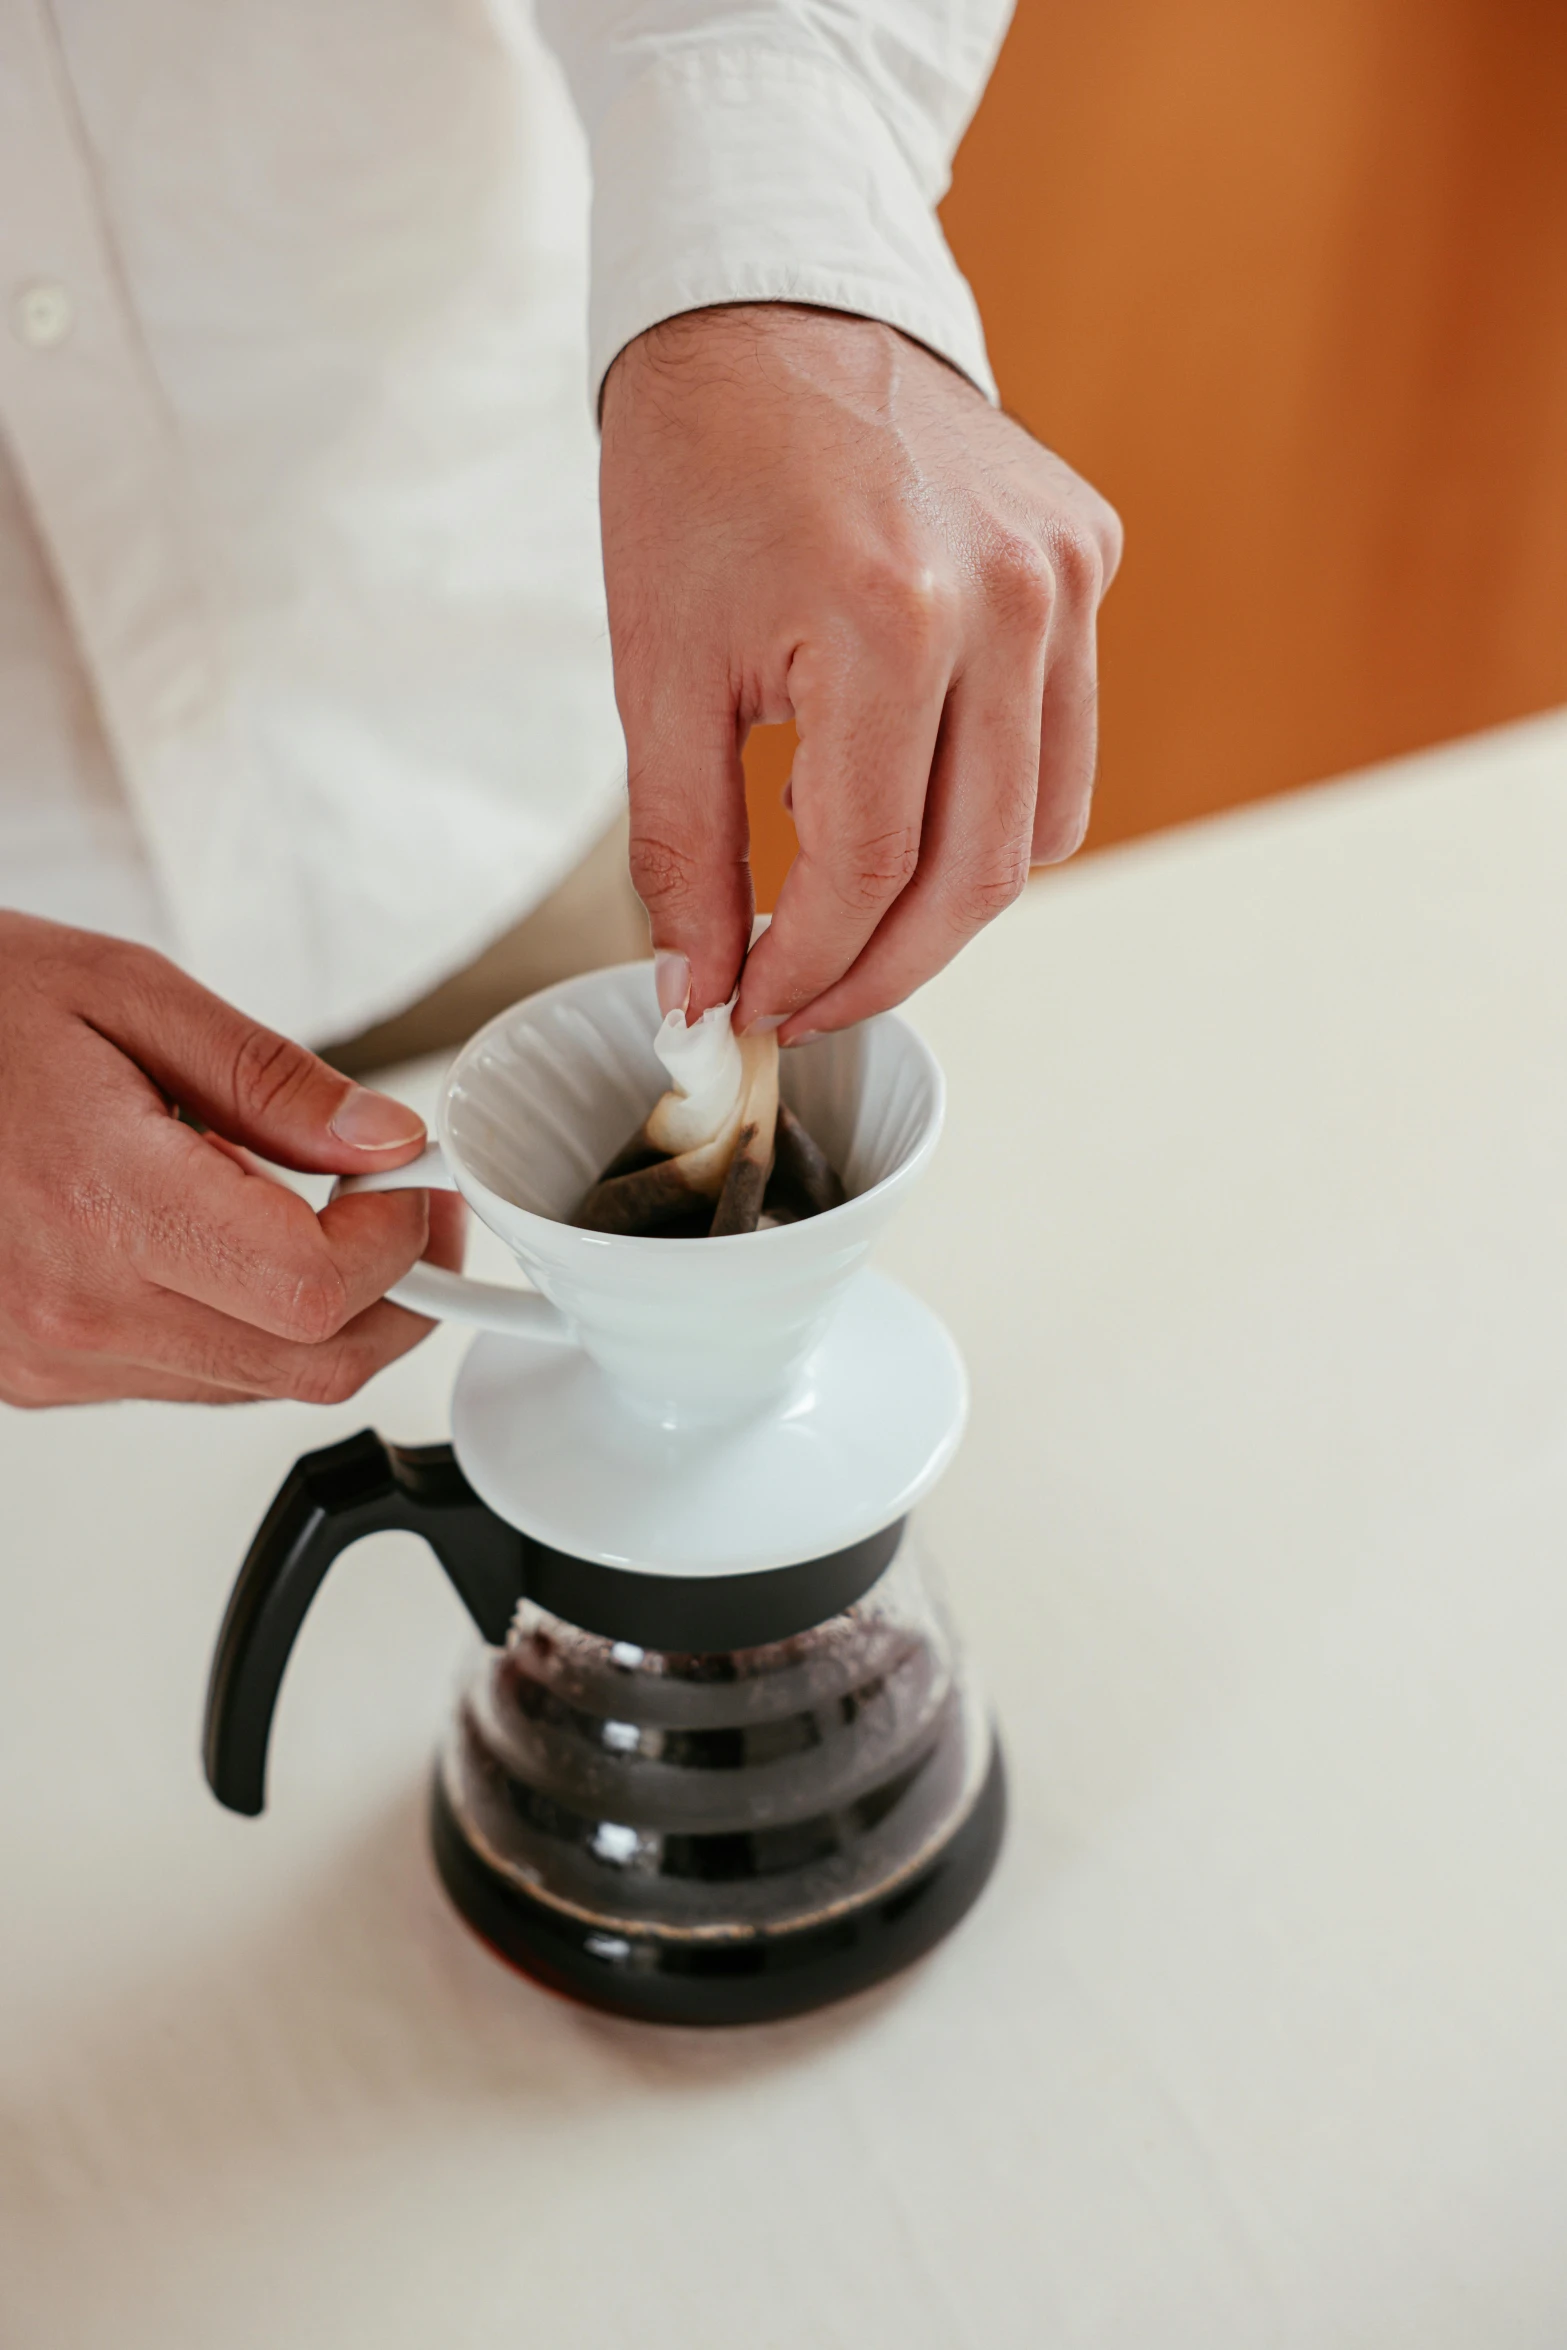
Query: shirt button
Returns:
{"type": "Point", "coordinates": [42, 315]}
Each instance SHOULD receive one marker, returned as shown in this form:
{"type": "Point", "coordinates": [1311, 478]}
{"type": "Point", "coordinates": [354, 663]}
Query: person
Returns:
{"type": "Point", "coordinates": [306, 704]}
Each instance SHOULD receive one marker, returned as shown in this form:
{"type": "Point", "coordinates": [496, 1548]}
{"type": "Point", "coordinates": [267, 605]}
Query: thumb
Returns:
{"type": "Point", "coordinates": [690, 846]}
{"type": "Point", "coordinates": [246, 1082]}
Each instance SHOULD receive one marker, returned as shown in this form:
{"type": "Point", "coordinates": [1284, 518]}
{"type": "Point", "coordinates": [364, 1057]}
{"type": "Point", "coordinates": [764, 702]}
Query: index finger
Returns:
{"type": "Point", "coordinates": [868, 731]}
{"type": "Point", "coordinates": [689, 835]}
{"type": "Point", "coordinates": [193, 1220]}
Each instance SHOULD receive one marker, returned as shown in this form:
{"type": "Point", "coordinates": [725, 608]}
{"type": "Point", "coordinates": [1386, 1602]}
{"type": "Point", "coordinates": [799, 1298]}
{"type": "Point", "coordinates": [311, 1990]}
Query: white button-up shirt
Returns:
{"type": "Point", "coordinates": [304, 670]}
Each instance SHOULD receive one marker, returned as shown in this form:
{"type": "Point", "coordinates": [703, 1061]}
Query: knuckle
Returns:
{"type": "Point", "coordinates": [911, 609]}
{"type": "Point", "coordinates": [317, 1305]}
{"type": "Point", "coordinates": [1078, 563]}
{"type": "Point", "coordinates": [980, 896]}
{"type": "Point", "coordinates": [872, 871]}
{"type": "Point", "coordinates": [1022, 586]}
{"type": "Point", "coordinates": [662, 874]}
{"type": "Point", "coordinates": [270, 1071]}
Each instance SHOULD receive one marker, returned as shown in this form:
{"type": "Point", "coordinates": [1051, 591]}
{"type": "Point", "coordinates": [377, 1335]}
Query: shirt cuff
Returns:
{"type": "Point", "coordinates": [738, 176]}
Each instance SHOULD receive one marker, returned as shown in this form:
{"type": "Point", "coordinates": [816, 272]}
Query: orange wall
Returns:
{"type": "Point", "coordinates": [1288, 279]}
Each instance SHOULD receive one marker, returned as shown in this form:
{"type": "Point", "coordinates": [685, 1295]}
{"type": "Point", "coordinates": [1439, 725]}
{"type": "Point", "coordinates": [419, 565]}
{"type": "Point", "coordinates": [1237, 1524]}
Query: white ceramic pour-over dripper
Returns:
{"type": "Point", "coordinates": [692, 1334]}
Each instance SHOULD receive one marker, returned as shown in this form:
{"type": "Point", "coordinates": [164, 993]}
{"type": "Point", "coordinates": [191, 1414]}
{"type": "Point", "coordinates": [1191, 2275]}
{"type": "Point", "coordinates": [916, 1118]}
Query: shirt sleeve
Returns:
{"type": "Point", "coordinates": [776, 151]}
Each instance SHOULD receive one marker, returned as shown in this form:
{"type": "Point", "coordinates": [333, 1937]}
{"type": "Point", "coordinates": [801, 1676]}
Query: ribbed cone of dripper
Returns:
{"type": "Point", "coordinates": [543, 1100]}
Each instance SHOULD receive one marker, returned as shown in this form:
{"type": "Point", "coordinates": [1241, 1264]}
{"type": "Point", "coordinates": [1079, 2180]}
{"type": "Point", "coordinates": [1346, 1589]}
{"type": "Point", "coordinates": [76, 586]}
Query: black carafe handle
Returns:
{"type": "Point", "coordinates": [331, 1498]}
{"type": "Point", "coordinates": [328, 1500]}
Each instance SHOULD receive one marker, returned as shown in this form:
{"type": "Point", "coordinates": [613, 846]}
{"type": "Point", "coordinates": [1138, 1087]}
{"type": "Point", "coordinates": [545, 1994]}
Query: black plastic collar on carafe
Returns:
{"type": "Point", "coordinates": [334, 1497]}
{"type": "Point", "coordinates": [692, 1613]}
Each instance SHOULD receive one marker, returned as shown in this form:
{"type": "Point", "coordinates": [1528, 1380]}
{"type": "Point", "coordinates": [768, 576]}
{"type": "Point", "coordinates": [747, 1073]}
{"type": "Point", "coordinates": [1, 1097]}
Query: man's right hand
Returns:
{"type": "Point", "coordinates": [140, 1257]}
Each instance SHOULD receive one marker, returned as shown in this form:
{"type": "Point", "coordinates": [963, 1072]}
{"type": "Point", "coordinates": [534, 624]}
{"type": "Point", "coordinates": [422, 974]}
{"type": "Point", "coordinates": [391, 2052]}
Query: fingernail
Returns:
{"type": "Point", "coordinates": [374, 1122]}
{"type": "Point", "coordinates": [806, 1036]}
{"type": "Point", "coordinates": [672, 978]}
{"type": "Point", "coordinates": [765, 1024]}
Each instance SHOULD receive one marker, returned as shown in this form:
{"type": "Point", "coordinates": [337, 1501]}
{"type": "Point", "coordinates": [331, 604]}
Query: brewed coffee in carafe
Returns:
{"type": "Point", "coordinates": [720, 1835]}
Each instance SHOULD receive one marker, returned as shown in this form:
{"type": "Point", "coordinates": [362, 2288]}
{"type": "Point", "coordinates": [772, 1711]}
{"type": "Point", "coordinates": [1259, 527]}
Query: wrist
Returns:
{"type": "Point", "coordinates": [732, 339]}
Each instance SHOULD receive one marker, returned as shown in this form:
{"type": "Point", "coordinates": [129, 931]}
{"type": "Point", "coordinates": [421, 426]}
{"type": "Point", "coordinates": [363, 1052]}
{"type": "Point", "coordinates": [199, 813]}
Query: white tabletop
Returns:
{"type": "Point", "coordinates": [1252, 1221]}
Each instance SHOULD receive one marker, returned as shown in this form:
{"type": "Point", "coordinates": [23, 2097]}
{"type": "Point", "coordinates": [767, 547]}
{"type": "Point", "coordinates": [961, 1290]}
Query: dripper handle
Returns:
{"type": "Point", "coordinates": [456, 1297]}
{"type": "Point", "coordinates": [329, 1500]}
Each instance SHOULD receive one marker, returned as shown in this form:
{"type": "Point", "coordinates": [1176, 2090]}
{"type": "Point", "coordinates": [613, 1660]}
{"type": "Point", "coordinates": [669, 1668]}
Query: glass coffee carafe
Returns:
{"type": "Point", "coordinates": [689, 1833]}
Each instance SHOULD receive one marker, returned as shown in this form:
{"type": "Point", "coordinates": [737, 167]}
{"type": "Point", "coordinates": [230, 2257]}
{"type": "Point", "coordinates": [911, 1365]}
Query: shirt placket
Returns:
{"type": "Point", "coordinates": [94, 448]}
